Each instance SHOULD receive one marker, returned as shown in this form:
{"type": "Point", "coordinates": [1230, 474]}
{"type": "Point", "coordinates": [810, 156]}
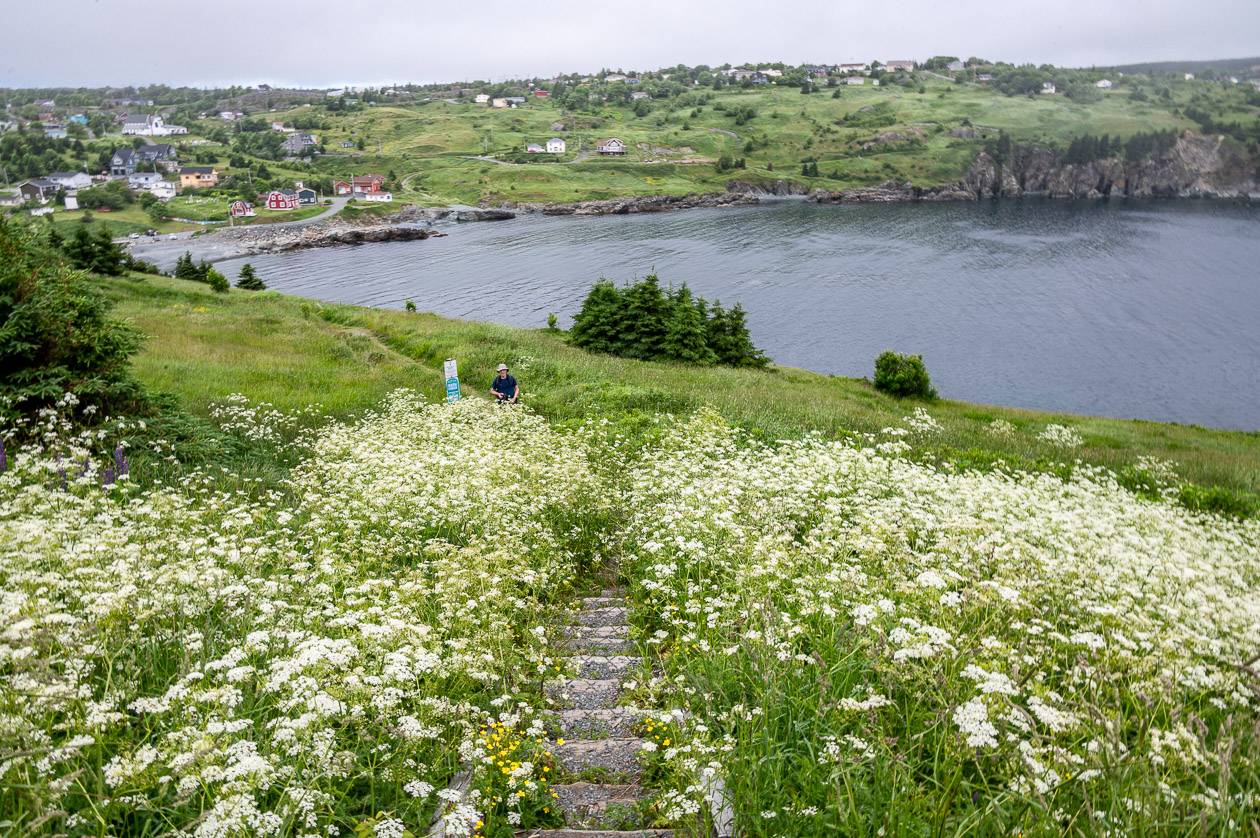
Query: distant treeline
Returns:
{"type": "Point", "coordinates": [646, 322]}
{"type": "Point", "coordinates": [1088, 148]}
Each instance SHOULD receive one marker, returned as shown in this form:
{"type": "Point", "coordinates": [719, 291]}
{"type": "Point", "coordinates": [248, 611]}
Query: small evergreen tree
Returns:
{"type": "Point", "coordinates": [185, 269]}
{"type": "Point", "coordinates": [598, 326]}
{"type": "Point", "coordinates": [646, 310]}
{"type": "Point", "coordinates": [218, 282]}
{"type": "Point", "coordinates": [248, 279]}
{"type": "Point", "coordinates": [729, 338]}
{"type": "Point", "coordinates": [108, 258]}
{"type": "Point", "coordinates": [79, 249]}
{"type": "Point", "coordinates": [55, 240]}
{"type": "Point", "coordinates": [686, 332]}
{"type": "Point", "coordinates": [203, 270]}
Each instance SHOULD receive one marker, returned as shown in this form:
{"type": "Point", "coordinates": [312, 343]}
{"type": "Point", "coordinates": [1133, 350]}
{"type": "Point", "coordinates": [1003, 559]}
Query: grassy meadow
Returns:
{"type": "Point", "coordinates": [293, 352]}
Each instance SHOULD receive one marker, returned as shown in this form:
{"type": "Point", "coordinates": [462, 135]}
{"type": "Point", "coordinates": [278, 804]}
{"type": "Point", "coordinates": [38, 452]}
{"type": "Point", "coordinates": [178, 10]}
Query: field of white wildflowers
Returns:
{"type": "Point", "coordinates": [306, 660]}
{"type": "Point", "coordinates": [865, 644]}
{"type": "Point", "coordinates": [869, 645]}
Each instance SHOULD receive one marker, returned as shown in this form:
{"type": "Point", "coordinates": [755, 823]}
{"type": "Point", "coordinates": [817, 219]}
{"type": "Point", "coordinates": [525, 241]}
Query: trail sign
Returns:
{"type": "Point", "coordinates": [452, 380]}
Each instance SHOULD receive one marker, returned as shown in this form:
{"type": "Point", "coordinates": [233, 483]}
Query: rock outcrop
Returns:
{"type": "Point", "coordinates": [1196, 166]}
{"type": "Point", "coordinates": [644, 203]}
{"type": "Point", "coordinates": [776, 188]}
{"type": "Point", "coordinates": [275, 239]}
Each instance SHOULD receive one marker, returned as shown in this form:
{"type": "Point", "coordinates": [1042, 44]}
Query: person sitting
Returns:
{"type": "Point", "coordinates": [504, 387]}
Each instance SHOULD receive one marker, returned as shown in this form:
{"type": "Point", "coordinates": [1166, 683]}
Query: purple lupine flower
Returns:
{"type": "Point", "coordinates": [83, 469]}
{"type": "Point", "coordinates": [107, 479]}
{"type": "Point", "coordinates": [119, 459]}
{"type": "Point", "coordinates": [4, 458]}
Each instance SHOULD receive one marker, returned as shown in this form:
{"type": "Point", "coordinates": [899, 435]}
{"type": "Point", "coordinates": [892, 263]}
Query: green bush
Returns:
{"type": "Point", "coordinates": [55, 333]}
{"type": "Point", "coordinates": [903, 375]}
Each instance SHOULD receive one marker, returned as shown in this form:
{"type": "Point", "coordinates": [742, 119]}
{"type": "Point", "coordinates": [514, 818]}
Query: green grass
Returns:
{"type": "Point", "coordinates": [294, 352]}
{"type": "Point", "coordinates": [433, 147]}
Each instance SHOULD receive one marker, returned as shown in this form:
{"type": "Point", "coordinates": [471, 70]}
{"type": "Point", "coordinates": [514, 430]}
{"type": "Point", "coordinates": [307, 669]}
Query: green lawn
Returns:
{"type": "Point", "coordinates": [293, 352]}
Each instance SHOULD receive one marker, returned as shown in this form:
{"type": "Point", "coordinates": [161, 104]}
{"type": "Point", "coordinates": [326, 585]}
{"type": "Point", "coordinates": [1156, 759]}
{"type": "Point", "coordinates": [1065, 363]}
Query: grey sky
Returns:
{"type": "Point", "coordinates": [303, 42]}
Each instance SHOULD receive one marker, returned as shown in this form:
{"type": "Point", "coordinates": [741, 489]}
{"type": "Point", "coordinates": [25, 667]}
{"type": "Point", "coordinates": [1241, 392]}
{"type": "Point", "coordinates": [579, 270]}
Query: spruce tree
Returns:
{"type": "Point", "coordinates": [79, 248]}
{"type": "Point", "coordinates": [55, 240]}
{"type": "Point", "coordinates": [646, 311]}
{"type": "Point", "coordinates": [203, 270]}
{"type": "Point", "coordinates": [686, 333]}
{"type": "Point", "coordinates": [108, 258]}
{"type": "Point", "coordinates": [597, 326]}
{"type": "Point", "coordinates": [249, 280]}
{"type": "Point", "coordinates": [185, 269]}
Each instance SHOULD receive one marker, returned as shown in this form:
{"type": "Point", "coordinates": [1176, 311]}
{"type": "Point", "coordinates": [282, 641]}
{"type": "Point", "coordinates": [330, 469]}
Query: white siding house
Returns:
{"type": "Point", "coordinates": [555, 146]}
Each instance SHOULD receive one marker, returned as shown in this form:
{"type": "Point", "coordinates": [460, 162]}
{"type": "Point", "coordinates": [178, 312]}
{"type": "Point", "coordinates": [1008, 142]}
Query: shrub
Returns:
{"type": "Point", "coordinates": [218, 282]}
{"type": "Point", "coordinates": [55, 335]}
{"type": "Point", "coordinates": [903, 375]}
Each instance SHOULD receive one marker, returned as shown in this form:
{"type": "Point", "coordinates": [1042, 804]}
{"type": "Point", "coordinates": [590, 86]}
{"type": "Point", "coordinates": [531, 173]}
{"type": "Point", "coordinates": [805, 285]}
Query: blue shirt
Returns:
{"type": "Point", "coordinates": [505, 385]}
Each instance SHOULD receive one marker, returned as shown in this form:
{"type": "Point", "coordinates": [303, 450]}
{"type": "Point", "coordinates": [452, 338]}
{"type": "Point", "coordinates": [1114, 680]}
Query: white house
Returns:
{"type": "Point", "coordinates": [1047, 87]}
{"type": "Point", "coordinates": [150, 125]}
{"type": "Point", "coordinates": [895, 64]}
{"type": "Point", "coordinates": [610, 146]}
{"type": "Point", "coordinates": [71, 180]}
{"type": "Point", "coordinates": [772, 73]}
{"type": "Point", "coordinates": [11, 199]}
{"type": "Point", "coordinates": [53, 131]}
{"type": "Point", "coordinates": [855, 80]}
{"type": "Point", "coordinates": [1103, 84]}
{"type": "Point", "coordinates": [855, 67]}
{"type": "Point", "coordinates": [498, 103]}
{"type": "Point", "coordinates": [638, 94]}
{"type": "Point", "coordinates": [375, 197]}
{"type": "Point", "coordinates": [1189, 76]}
{"type": "Point", "coordinates": [533, 148]}
{"type": "Point", "coordinates": [142, 180]}
{"type": "Point", "coordinates": [163, 190]}
{"type": "Point", "coordinates": [555, 146]}
{"type": "Point", "coordinates": [956, 66]}
{"type": "Point", "coordinates": [614, 77]}
{"type": "Point", "coordinates": [482, 98]}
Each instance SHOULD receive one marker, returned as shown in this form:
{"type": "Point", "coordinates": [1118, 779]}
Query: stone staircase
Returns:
{"type": "Point", "coordinates": [596, 748]}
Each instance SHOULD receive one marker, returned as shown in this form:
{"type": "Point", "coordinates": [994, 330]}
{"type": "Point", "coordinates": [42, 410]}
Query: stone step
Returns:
{"type": "Point", "coordinates": [606, 666]}
{"type": "Point", "coordinates": [600, 805]}
{"type": "Point", "coordinates": [608, 758]}
{"type": "Point", "coordinates": [616, 722]}
{"type": "Point", "coordinates": [611, 616]}
{"type": "Point", "coordinates": [595, 833]}
{"type": "Point", "coordinates": [585, 693]}
{"type": "Point", "coordinates": [602, 601]}
{"type": "Point", "coordinates": [607, 640]}
{"type": "Point", "coordinates": [619, 593]}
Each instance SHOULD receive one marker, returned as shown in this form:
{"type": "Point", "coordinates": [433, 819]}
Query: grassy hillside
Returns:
{"type": "Point", "coordinates": [293, 352]}
{"type": "Point", "coordinates": [445, 152]}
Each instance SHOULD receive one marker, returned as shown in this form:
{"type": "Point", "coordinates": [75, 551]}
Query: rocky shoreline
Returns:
{"type": "Point", "coordinates": [642, 203]}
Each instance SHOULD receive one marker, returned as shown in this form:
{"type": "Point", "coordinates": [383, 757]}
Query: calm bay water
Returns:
{"type": "Point", "coordinates": [1131, 310]}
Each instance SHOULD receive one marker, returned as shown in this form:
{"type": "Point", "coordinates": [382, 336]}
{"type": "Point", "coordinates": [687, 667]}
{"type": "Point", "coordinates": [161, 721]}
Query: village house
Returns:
{"type": "Point", "coordinates": [38, 190]}
{"type": "Point", "coordinates": [71, 180]}
{"type": "Point", "coordinates": [241, 209]}
{"type": "Point", "coordinates": [361, 183]}
{"type": "Point", "coordinates": [150, 125]}
{"type": "Point", "coordinates": [78, 119]}
{"type": "Point", "coordinates": [11, 199]}
{"type": "Point", "coordinates": [984, 78]}
{"type": "Point", "coordinates": [956, 66]}
{"type": "Point", "coordinates": [298, 143]}
{"type": "Point", "coordinates": [279, 126]}
{"type": "Point", "coordinates": [533, 148]}
{"type": "Point", "coordinates": [123, 163]}
{"type": "Point", "coordinates": [611, 146]}
{"type": "Point", "coordinates": [542, 94]}
{"type": "Point", "coordinates": [498, 103]}
{"type": "Point", "coordinates": [282, 199]}
{"type": "Point", "coordinates": [380, 197]}
{"type": "Point", "coordinates": [513, 101]}
{"type": "Point", "coordinates": [1189, 77]}
{"type": "Point", "coordinates": [855, 80]}
{"type": "Point", "coordinates": [855, 67]}
{"type": "Point", "coordinates": [198, 177]}
{"type": "Point", "coordinates": [142, 180]}
{"type": "Point", "coordinates": [1047, 87]}
{"type": "Point", "coordinates": [638, 95]}
{"type": "Point", "coordinates": [898, 64]}
{"type": "Point", "coordinates": [482, 98]}
{"type": "Point", "coordinates": [555, 145]}
{"type": "Point", "coordinates": [874, 82]}
{"type": "Point", "coordinates": [1103, 84]}
{"type": "Point", "coordinates": [230, 116]}
{"type": "Point", "coordinates": [53, 131]}
{"type": "Point", "coordinates": [163, 190]}
{"type": "Point", "coordinates": [611, 77]}
{"type": "Point", "coordinates": [306, 195]}
{"type": "Point", "coordinates": [161, 155]}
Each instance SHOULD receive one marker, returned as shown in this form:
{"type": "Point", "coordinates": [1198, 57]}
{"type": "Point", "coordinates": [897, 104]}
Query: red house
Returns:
{"type": "Point", "coordinates": [282, 199]}
{"type": "Point", "coordinates": [361, 183]}
{"type": "Point", "coordinates": [542, 94]}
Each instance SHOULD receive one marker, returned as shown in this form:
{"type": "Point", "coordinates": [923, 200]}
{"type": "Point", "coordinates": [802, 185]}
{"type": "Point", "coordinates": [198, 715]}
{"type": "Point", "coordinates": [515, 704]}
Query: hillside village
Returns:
{"type": "Point", "coordinates": [196, 157]}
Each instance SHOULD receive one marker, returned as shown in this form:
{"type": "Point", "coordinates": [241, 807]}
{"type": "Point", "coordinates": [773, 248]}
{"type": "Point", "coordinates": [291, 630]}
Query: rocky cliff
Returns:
{"type": "Point", "coordinates": [1195, 166]}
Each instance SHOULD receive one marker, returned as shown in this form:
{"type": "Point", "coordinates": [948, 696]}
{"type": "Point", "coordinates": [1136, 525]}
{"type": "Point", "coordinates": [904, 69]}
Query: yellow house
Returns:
{"type": "Point", "coordinates": [198, 177]}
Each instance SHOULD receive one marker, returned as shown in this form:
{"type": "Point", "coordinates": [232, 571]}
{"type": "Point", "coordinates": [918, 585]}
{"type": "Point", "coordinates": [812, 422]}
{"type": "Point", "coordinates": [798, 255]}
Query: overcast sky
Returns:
{"type": "Point", "coordinates": [323, 43]}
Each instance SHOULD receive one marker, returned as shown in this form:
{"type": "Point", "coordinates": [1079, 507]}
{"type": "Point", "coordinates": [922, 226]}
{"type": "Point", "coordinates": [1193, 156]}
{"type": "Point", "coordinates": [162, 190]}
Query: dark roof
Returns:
{"type": "Point", "coordinates": [124, 154]}
{"type": "Point", "coordinates": [285, 191]}
{"type": "Point", "coordinates": [52, 175]}
{"type": "Point", "coordinates": [306, 189]}
{"type": "Point", "coordinates": [196, 170]}
{"type": "Point", "coordinates": [157, 150]}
